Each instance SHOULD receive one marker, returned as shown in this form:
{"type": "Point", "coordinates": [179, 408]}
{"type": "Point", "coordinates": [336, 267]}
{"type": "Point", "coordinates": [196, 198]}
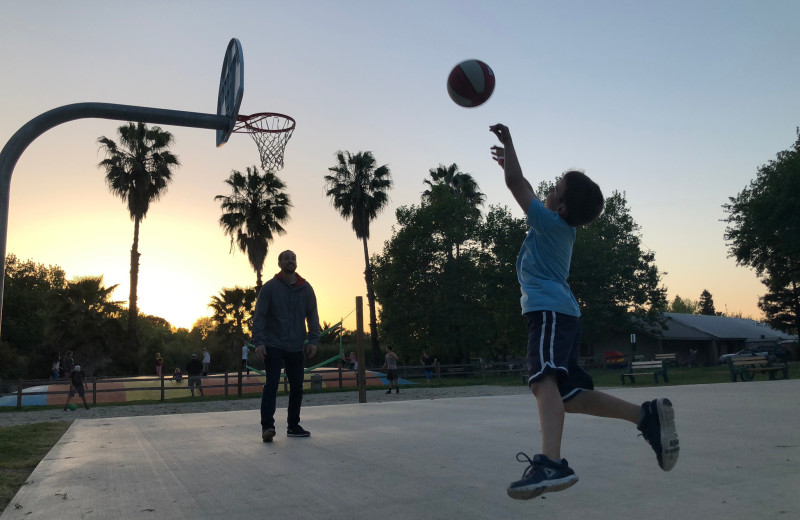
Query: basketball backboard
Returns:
{"type": "Point", "coordinates": [231, 88]}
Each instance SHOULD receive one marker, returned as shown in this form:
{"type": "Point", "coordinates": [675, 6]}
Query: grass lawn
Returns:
{"type": "Point", "coordinates": [22, 448]}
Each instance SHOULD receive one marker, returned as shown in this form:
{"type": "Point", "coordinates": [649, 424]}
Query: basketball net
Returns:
{"type": "Point", "coordinates": [271, 132]}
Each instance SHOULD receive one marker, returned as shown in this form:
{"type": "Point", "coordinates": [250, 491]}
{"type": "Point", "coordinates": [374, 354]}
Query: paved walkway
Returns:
{"type": "Point", "coordinates": [431, 459]}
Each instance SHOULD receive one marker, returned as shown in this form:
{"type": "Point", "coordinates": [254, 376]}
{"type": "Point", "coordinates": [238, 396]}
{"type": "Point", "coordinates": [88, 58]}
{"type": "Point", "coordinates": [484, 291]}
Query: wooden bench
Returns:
{"type": "Point", "coordinates": [746, 367]}
{"type": "Point", "coordinates": [667, 358]}
{"type": "Point", "coordinates": [645, 368]}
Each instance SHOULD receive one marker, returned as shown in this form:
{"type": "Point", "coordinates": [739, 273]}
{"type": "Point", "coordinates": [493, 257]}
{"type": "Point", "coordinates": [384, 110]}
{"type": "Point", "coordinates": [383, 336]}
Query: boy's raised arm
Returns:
{"type": "Point", "coordinates": [506, 156]}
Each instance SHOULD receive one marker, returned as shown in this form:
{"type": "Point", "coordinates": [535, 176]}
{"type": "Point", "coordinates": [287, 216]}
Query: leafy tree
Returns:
{"type": "Point", "coordinates": [85, 320]}
{"type": "Point", "coordinates": [204, 335]}
{"type": "Point", "coordinates": [684, 306]}
{"type": "Point", "coordinates": [762, 233]}
{"type": "Point", "coordinates": [429, 298]}
{"type": "Point", "coordinates": [780, 304]}
{"type": "Point", "coordinates": [614, 278]}
{"type": "Point", "coordinates": [28, 286]}
{"type": "Point", "coordinates": [707, 304]}
{"type": "Point", "coordinates": [202, 328]}
{"type": "Point", "coordinates": [433, 294]}
{"type": "Point", "coordinates": [138, 171]}
{"type": "Point", "coordinates": [359, 191]}
{"type": "Point", "coordinates": [455, 199]}
{"type": "Point", "coordinates": [500, 237]}
{"type": "Point", "coordinates": [254, 213]}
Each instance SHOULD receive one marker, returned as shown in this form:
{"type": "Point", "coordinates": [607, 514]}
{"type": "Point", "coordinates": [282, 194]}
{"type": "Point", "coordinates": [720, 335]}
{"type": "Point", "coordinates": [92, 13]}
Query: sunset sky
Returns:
{"type": "Point", "coordinates": [676, 104]}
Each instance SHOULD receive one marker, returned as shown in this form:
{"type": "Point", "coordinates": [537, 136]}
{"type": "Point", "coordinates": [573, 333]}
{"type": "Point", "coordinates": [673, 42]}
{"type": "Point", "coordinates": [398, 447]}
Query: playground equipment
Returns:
{"type": "Point", "coordinates": [336, 327]}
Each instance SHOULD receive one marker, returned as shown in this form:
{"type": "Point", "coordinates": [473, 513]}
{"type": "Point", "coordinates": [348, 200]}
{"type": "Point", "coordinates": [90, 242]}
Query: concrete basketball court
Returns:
{"type": "Point", "coordinates": [432, 459]}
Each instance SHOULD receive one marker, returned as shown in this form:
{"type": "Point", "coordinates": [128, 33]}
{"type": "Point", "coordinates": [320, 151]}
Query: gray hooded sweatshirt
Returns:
{"type": "Point", "coordinates": [282, 311]}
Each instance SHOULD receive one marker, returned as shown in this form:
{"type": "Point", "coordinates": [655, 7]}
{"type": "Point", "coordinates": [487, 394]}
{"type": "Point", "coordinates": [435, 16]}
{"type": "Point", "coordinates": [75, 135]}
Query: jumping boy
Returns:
{"type": "Point", "coordinates": [552, 314]}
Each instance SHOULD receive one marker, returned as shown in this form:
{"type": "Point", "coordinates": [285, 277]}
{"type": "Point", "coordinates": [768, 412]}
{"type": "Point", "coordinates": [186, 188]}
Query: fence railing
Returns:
{"type": "Point", "coordinates": [235, 383]}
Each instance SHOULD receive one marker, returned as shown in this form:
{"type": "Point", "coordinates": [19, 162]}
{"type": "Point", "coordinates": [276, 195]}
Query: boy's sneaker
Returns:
{"type": "Point", "coordinates": [657, 424]}
{"type": "Point", "coordinates": [297, 431]}
{"type": "Point", "coordinates": [268, 434]}
{"type": "Point", "coordinates": [542, 476]}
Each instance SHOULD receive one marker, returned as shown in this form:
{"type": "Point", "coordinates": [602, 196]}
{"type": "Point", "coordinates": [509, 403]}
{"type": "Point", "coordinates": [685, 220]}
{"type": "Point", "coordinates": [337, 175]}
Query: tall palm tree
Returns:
{"type": "Point", "coordinates": [359, 191]}
{"type": "Point", "coordinates": [447, 182]}
{"type": "Point", "coordinates": [83, 318]}
{"type": "Point", "coordinates": [138, 170]}
{"type": "Point", "coordinates": [253, 213]}
{"type": "Point", "coordinates": [233, 311]}
{"type": "Point", "coordinates": [460, 184]}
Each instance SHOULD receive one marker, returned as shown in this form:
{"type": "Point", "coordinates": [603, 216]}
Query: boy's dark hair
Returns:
{"type": "Point", "coordinates": [582, 198]}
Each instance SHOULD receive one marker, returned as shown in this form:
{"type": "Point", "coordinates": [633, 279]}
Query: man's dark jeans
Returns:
{"type": "Point", "coordinates": [273, 362]}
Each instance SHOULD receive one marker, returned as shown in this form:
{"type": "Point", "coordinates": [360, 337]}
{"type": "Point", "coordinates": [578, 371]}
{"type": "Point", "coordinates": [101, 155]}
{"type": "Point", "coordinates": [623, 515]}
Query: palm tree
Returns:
{"type": "Point", "coordinates": [253, 213]}
{"type": "Point", "coordinates": [462, 185]}
{"type": "Point", "coordinates": [233, 311]}
{"type": "Point", "coordinates": [83, 318]}
{"type": "Point", "coordinates": [138, 171]}
{"type": "Point", "coordinates": [459, 194]}
{"type": "Point", "coordinates": [359, 191]}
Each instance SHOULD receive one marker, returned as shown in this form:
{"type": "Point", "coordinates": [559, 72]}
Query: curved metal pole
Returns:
{"type": "Point", "coordinates": [37, 126]}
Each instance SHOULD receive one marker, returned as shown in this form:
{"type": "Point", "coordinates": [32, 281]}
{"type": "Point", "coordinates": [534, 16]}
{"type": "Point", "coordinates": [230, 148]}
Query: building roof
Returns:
{"type": "Point", "coordinates": [720, 328]}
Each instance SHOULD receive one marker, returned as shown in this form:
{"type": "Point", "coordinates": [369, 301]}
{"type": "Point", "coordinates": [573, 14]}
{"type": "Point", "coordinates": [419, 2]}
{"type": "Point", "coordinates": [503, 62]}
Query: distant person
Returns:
{"type": "Point", "coordinates": [428, 362]}
{"type": "Point", "coordinates": [353, 362]}
{"type": "Point", "coordinates": [177, 376]}
{"type": "Point", "coordinates": [194, 369]}
{"type": "Point", "coordinates": [206, 361]}
{"type": "Point", "coordinates": [390, 364]}
{"type": "Point", "coordinates": [245, 353]}
{"type": "Point", "coordinates": [285, 305]}
{"type": "Point", "coordinates": [55, 370]}
{"type": "Point", "coordinates": [159, 364]}
{"type": "Point", "coordinates": [557, 381]}
{"type": "Point", "coordinates": [76, 384]}
{"type": "Point", "coordinates": [69, 364]}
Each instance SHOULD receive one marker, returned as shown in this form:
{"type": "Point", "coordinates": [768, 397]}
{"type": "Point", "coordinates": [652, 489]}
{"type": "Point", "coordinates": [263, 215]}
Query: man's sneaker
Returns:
{"type": "Point", "coordinates": [268, 434]}
{"type": "Point", "coordinates": [389, 391]}
{"type": "Point", "coordinates": [657, 424]}
{"type": "Point", "coordinates": [543, 475]}
{"type": "Point", "coordinates": [297, 431]}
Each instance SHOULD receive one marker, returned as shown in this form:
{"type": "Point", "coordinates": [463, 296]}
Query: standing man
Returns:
{"type": "Point", "coordinates": [206, 361]}
{"type": "Point", "coordinates": [245, 353]}
{"type": "Point", "coordinates": [76, 386]}
{"type": "Point", "coordinates": [285, 305]}
{"type": "Point", "coordinates": [195, 371]}
{"type": "Point", "coordinates": [391, 370]}
{"type": "Point", "coordinates": [428, 361]}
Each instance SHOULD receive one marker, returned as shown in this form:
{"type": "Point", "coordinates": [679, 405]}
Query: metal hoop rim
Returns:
{"type": "Point", "coordinates": [244, 126]}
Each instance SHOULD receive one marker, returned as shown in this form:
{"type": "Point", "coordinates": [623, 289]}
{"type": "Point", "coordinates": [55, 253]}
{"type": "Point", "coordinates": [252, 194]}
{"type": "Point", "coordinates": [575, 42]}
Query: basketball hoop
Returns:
{"type": "Point", "coordinates": [271, 132]}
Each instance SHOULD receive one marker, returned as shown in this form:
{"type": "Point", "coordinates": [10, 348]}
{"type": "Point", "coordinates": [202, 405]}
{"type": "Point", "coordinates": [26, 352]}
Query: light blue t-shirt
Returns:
{"type": "Point", "coordinates": [543, 263]}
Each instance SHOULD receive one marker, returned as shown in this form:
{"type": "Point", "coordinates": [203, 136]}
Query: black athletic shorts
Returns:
{"type": "Point", "coordinates": [553, 348]}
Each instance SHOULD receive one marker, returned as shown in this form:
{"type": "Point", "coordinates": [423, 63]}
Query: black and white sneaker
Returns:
{"type": "Point", "coordinates": [543, 475]}
{"type": "Point", "coordinates": [657, 424]}
{"type": "Point", "coordinates": [268, 434]}
{"type": "Point", "coordinates": [297, 431]}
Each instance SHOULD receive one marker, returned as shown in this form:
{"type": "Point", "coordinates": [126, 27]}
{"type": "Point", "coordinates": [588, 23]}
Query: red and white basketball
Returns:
{"type": "Point", "coordinates": [470, 83]}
